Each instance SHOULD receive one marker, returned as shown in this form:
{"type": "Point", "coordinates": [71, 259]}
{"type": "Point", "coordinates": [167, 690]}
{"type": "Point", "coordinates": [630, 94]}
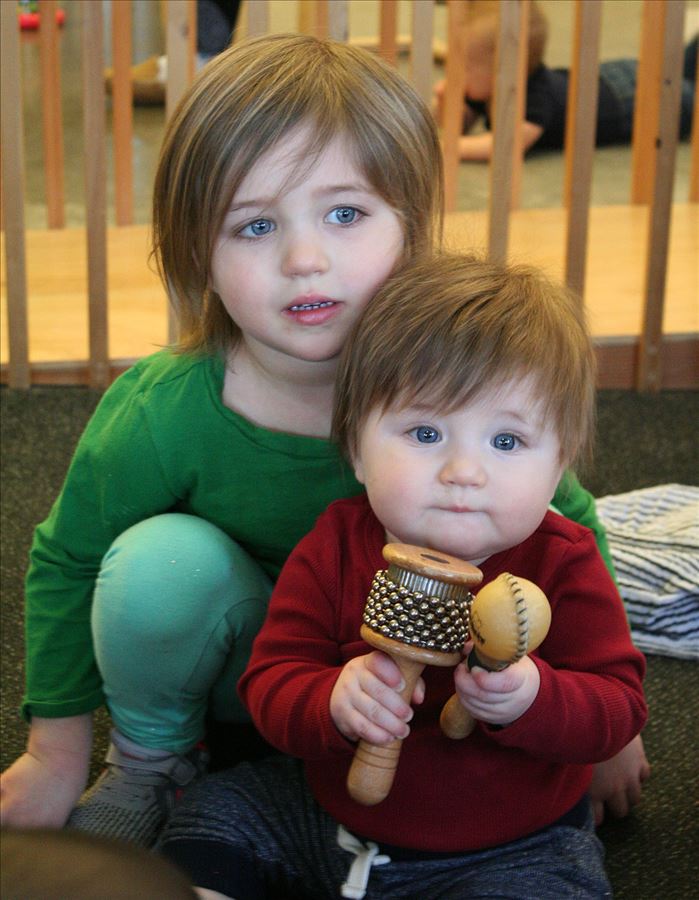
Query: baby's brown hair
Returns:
{"type": "Point", "coordinates": [445, 329]}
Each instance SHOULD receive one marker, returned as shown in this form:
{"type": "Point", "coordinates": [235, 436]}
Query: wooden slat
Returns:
{"type": "Point", "coordinates": [457, 23]}
{"type": "Point", "coordinates": [257, 17]}
{"type": "Point", "coordinates": [421, 63]}
{"type": "Point", "coordinates": [669, 91]}
{"type": "Point", "coordinates": [646, 112]}
{"type": "Point", "coordinates": [13, 198]}
{"type": "Point", "coordinates": [503, 129]}
{"type": "Point", "coordinates": [322, 18]}
{"type": "Point", "coordinates": [95, 191]}
{"type": "Point", "coordinates": [581, 124]}
{"type": "Point", "coordinates": [520, 103]}
{"type": "Point", "coordinates": [122, 112]}
{"type": "Point", "coordinates": [306, 16]}
{"type": "Point", "coordinates": [694, 170]}
{"type": "Point", "coordinates": [181, 45]}
{"type": "Point", "coordinates": [338, 20]}
{"type": "Point", "coordinates": [313, 17]}
{"type": "Point", "coordinates": [388, 20]}
{"type": "Point", "coordinates": [50, 74]}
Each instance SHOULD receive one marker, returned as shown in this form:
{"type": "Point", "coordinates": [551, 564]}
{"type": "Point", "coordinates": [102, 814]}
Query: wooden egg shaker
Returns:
{"type": "Point", "coordinates": [509, 617]}
{"type": "Point", "coordinates": [417, 613]}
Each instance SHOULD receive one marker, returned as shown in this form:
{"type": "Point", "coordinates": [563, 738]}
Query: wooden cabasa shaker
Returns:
{"type": "Point", "coordinates": [417, 613]}
{"type": "Point", "coordinates": [509, 617]}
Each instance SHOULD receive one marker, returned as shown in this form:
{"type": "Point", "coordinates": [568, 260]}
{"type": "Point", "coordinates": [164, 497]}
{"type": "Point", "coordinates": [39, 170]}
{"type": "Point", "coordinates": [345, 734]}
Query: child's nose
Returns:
{"type": "Point", "coordinates": [464, 470]}
{"type": "Point", "coordinates": [304, 255]}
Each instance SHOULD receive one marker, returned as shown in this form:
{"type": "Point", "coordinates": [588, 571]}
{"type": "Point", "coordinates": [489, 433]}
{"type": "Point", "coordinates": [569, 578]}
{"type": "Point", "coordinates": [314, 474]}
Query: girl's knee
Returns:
{"type": "Point", "coordinates": [175, 568]}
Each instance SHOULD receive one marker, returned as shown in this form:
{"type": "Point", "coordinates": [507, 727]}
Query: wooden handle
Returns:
{"type": "Point", "coordinates": [456, 721]}
{"type": "Point", "coordinates": [373, 768]}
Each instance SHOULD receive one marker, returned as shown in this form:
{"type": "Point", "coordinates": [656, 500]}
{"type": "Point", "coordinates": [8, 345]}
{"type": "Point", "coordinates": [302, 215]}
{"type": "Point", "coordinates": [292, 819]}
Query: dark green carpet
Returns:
{"type": "Point", "coordinates": [643, 440]}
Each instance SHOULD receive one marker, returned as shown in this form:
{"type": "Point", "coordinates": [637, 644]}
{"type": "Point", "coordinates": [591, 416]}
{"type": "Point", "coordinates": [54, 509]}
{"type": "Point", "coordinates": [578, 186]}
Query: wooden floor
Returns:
{"type": "Point", "coordinates": [57, 307]}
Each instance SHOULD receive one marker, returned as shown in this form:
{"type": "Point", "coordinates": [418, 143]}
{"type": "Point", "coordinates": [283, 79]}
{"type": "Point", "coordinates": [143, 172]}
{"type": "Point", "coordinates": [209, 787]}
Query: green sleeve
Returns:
{"type": "Point", "coordinates": [574, 502]}
{"type": "Point", "coordinates": [114, 480]}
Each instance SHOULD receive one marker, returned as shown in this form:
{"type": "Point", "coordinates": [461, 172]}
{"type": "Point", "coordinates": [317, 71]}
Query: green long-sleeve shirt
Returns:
{"type": "Point", "coordinates": [161, 440]}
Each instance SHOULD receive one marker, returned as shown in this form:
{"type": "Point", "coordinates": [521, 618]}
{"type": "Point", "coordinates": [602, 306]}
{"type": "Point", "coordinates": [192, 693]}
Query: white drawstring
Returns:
{"type": "Point", "coordinates": [367, 856]}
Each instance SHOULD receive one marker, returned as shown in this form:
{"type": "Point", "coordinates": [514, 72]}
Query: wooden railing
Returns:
{"type": "Point", "coordinates": [654, 144]}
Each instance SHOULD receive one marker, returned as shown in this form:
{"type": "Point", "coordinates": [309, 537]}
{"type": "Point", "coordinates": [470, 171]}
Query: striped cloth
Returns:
{"type": "Point", "coordinates": [654, 541]}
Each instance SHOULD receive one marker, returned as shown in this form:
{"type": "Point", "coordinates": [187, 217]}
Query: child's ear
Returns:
{"type": "Point", "coordinates": [358, 468]}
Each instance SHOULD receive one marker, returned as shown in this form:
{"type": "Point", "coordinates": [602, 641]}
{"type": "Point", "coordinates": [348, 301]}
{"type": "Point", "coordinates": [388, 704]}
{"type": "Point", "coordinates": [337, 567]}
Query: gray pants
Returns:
{"type": "Point", "coordinates": [256, 832]}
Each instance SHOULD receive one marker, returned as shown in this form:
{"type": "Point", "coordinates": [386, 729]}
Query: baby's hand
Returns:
{"type": "Point", "coordinates": [498, 697]}
{"type": "Point", "coordinates": [366, 702]}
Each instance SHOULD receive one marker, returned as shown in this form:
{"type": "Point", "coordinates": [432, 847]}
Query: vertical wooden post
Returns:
{"type": "Point", "coordinates": [95, 192]}
{"type": "Point", "coordinates": [669, 91]}
{"type": "Point", "coordinates": [581, 126]}
{"type": "Point", "coordinates": [50, 74]}
{"type": "Point", "coordinates": [694, 171]}
{"type": "Point", "coordinates": [307, 16]}
{"type": "Point", "coordinates": [388, 20]}
{"type": "Point", "coordinates": [122, 112]}
{"type": "Point", "coordinates": [13, 198]}
{"type": "Point", "coordinates": [457, 12]}
{"type": "Point", "coordinates": [520, 102]}
{"type": "Point", "coordinates": [503, 130]}
{"type": "Point", "coordinates": [421, 51]}
{"type": "Point", "coordinates": [313, 17]}
{"type": "Point", "coordinates": [258, 17]}
{"type": "Point", "coordinates": [181, 43]}
{"type": "Point", "coordinates": [646, 110]}
{"type": "Point", "coordinates": [322, 18]}
{"type": "Point", "coordinates": [180, 46]}
{"type": "Point", "coordinates": [338, 20]}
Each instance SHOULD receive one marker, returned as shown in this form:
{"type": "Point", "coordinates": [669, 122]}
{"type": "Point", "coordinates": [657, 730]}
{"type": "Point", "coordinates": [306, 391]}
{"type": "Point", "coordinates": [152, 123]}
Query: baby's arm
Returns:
{"type": "Point", "coordinates": [366, 704]}
{"type": "Point", "coordinates": [479, 147]}
{"type": "Point", "coordinates": [498, 698]}
{"type": "Point", "coordinates": [42, 786]}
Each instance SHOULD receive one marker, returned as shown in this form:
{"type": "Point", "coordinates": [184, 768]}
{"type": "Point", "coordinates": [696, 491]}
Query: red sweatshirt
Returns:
{"type": "Point", "coordinates": [495, 785]}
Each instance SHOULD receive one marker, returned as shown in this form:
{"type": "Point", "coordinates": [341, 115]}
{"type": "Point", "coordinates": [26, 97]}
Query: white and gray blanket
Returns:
{"type": "Point", "coordinates": [654, 541]}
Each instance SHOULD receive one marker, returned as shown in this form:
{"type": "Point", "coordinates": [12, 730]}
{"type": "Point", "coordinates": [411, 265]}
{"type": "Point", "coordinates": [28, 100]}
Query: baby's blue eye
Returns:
{"type": "Point", "coordinates": [426, 434]}
{"type": "Point", "coordinates": [258, 228]}
{"type": "Point", "coordinates": [343, 215]}
{"type": "Point", "coordinates": [505, 441]}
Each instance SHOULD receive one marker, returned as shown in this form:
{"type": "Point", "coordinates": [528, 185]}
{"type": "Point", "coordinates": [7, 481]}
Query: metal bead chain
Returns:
{"type": "Point", "coordinates": [413, 617]}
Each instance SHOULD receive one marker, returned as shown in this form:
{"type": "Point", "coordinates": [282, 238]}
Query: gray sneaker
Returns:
{"type": "Point", "coordinates": [132, 798]}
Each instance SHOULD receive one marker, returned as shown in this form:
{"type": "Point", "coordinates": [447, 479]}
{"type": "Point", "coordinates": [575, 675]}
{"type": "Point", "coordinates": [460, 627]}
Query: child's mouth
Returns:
{"type": "Point", "coordinates": [302, 307]}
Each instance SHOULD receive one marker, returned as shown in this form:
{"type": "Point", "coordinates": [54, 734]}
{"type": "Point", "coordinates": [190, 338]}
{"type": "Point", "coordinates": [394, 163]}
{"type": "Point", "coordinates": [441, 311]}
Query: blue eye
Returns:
{"type": "Point", "coordinates": [343, 215]}
{"type": "Point", "coordinates": [505, 441]}
{"type": "Point", "coordinates": [258, 228]}
{"type": "Point", "coordinates": [426, 434]}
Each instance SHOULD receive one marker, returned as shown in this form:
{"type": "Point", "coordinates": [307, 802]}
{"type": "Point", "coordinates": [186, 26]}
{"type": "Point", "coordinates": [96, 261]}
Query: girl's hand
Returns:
{"type": "Point", "coordinates": [32, 795]}
{"type": "Point", "coordinates": [498, 697]}
{"type": "Point", "coordinates": [41, 787]}
{"type": "Point", "coordinates": [366, 703]}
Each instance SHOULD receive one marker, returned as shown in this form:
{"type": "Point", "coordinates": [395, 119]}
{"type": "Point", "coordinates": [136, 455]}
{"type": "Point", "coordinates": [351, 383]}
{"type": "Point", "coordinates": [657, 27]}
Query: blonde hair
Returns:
{"type": "Point", "coordinates": [244, 102]}
{"type": "Point", "coordinates": [483, 27]}
{"type": "Point", "coordinates": [445, 329]}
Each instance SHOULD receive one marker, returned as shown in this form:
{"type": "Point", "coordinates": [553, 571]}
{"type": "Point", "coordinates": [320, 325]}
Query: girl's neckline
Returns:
{"type": "Point", "coordinates": [257, 431]}
{"type": "Point", "coordinates": [275, 404]}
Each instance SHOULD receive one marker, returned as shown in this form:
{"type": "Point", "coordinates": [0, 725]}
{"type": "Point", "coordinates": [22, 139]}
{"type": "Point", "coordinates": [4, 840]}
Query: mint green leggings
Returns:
{"type": "Point", "coordinates": [176, 608]}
